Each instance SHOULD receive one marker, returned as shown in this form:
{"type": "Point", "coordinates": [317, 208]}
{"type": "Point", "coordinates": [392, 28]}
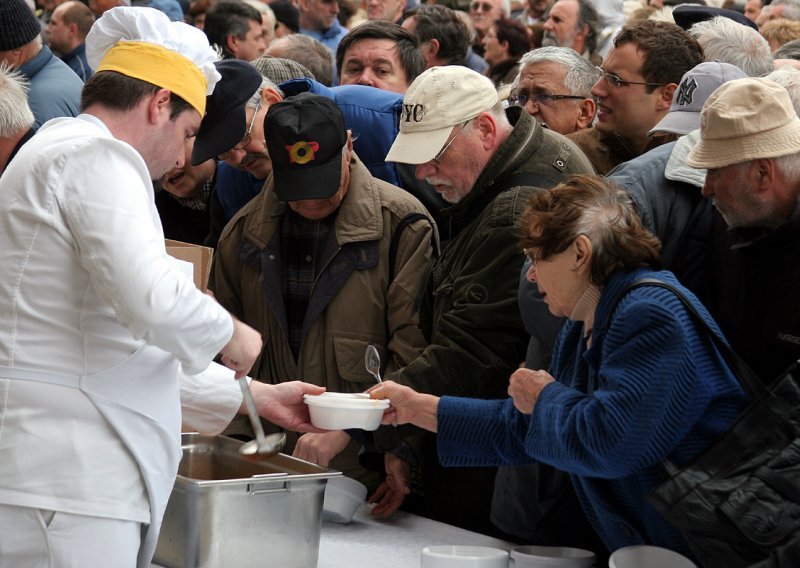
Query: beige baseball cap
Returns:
{"type": "Point", "coordinates": [743, 120]}
{"type": "Point", "coordinates": [437, 100]}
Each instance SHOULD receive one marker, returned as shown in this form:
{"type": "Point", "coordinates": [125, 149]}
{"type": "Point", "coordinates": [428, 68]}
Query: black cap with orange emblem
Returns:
{"type": "Point", "coordinates": [305, 136]}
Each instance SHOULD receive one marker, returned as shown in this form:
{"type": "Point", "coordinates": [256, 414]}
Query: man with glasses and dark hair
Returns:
{"type": "Point", "coordinates": [640, 76]}
{"type": "Point", "coordinates": [485, 161]}
{"type": "Point", "coordinates": [554, 85]}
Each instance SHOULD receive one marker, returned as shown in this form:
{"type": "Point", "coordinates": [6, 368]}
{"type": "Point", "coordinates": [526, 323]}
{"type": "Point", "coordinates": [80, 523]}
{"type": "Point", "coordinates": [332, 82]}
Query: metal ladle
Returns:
{"type": "Point", "coordinates": [372, 361]}
{"type": "Point", "coordinates": [266, 445]}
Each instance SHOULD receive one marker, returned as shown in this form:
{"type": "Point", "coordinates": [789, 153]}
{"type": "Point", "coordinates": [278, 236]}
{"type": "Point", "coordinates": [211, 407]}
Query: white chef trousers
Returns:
{"type": "Point", "coordinates": [36, 538]}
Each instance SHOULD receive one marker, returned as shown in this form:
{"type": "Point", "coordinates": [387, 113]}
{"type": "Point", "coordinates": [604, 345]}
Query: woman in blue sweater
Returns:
{"type": "Point", "coordinates": [634, 379]}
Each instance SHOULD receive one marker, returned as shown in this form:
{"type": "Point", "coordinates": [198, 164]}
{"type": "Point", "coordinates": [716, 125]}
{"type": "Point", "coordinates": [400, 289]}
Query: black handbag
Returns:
{"type": "Point", "coordinates": [739, 501]}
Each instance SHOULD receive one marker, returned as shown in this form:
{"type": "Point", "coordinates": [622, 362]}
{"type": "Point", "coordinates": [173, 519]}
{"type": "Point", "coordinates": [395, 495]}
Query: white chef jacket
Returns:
{"type": "Point", "coordinates": [85, 281]}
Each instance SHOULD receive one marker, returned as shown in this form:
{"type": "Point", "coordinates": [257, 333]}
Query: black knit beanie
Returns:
{"type": "Point", "coordinates": [18, 24]}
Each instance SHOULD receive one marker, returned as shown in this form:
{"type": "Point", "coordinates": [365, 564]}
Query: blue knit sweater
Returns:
{"type": "Point", "coordinates": [651, 386]}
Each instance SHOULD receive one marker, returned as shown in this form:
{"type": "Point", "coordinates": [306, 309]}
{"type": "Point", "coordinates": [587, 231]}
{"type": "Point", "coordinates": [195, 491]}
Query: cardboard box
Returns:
{"type": "Point", "coordinates": [198, 256]}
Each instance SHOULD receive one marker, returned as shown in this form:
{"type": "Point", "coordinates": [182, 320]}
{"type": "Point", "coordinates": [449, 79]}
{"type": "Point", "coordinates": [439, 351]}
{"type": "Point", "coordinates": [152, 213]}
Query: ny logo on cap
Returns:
{"type": "Point", "coordinates": [302, 152]}
{"type": "Point", "coordinates": [413, 113]}
{"type": "Point", "coordinates": [686, 91]}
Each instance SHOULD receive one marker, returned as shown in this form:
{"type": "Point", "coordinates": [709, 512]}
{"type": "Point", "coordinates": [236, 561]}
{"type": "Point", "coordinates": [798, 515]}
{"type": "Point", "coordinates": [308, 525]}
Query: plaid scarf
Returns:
{"type": "Point", "coordinates": [303, 246]}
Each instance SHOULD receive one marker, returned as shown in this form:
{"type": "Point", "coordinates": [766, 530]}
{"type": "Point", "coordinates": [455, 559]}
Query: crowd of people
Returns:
{"type": "Point", "coordinates": [476, 189]}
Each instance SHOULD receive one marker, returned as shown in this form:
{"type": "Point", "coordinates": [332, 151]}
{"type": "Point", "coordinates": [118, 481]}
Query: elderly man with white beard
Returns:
{"type": "Point", "coordinates": [486, 161]}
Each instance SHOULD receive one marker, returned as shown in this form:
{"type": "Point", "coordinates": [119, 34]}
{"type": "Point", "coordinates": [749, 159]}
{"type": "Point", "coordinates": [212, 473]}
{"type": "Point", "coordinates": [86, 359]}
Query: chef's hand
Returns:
{"type": "Point", "coordinates": [283, 404]}
{"type": "Point", "coordinates": [525, 386]}
{"type": "Point", "coordinates": [392, 492]}
{"type": "Point", "coordinates": [321, 448]}
{"type": "Point", "coordinates": [407, 405]}
{"type": "Point", "coordinates": [242, 350]}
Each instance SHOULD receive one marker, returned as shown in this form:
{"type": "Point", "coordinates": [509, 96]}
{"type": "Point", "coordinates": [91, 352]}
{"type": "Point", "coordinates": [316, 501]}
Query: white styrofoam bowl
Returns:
{"type": "Point", "coordinates": [340, 411]}
{"type": "Point", "coordinates": [649, 556]}
{"type": "Point", "coordinates": [446, 556]}
{"type": "Point", "coordinates": [556, 556]}
{"type": "Point", "coordinates": [343, 495]}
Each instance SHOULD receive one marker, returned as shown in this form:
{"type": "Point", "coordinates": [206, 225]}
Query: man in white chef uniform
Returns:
{"type": "Point", "coordinates": [102, 338]}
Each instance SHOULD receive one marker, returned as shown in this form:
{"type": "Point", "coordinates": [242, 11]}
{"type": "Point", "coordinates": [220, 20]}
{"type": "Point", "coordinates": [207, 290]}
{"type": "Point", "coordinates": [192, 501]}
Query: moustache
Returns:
{"type": "Point", "coordinates": [438, 181]}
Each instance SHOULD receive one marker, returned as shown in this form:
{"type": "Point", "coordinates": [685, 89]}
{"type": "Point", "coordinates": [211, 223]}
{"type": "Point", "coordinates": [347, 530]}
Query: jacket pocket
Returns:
{"type": "Point", "coordinates": [350, 363]}
{"type": "Point", "coordinates": [766, 507]}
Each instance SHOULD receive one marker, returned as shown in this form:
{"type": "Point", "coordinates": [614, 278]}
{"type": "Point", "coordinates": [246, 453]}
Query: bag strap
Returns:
{"type": "Point", "coordinates": [398, 231]}
{"type": "Point", "coordinates": [746, 377]}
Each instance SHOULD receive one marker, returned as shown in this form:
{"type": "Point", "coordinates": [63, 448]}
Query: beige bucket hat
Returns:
{"type": "Point", "coordinates": [743, 120]}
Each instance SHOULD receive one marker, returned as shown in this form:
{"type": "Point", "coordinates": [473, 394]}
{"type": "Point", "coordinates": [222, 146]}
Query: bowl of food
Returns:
{"type": "Point", "coordinates": [462, 556]}
{"type": "Point", "coordinates": [341, 411]}
{"type": "Point", "coordinates": [343, 496]}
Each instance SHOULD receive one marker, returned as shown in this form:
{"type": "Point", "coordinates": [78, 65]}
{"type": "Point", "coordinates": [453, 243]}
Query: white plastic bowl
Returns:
{"type": "Point", "coordinates": [649, 557]}
{"type": "Point", "coordinates": [446, 556]}
{"type": "Point", "coordinates": [340, 411]}
{"type": "Point", "coordinates": [346, 395]}
{"type": "Point", "coordinates": [546, 556]}
{"type": "Point", "coordinates": [342, 497]}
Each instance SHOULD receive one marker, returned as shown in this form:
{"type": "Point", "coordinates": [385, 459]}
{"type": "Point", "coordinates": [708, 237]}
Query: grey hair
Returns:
{"type": "Point", "coordinates": [265, 84]}
{"type": "Point", "coordinates": [498, 112]}
{"type": "Point", "coordinates": [15, 114]}
{"type": "Point", "coordinates": [663, 14]}
{"type": "Point", "coordinates": [581, 74]}
{"type": "Point", "coordinates": [789, 79]}
{"type": "Point", "coordinates": [725, 40]}
{"type": "Point", "coordinates": [789, 166]}
{"type": "Point", "coordinates": [791, 10]}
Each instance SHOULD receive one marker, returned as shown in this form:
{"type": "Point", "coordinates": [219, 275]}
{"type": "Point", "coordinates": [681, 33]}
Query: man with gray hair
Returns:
{"type": "Point", "coordinates": [750, 145]}
{"type": "Point", "coordinates": [16, 118]}
{"type": "Point", "coordinates": [575, 24]}
{"type": "Point", "coordinates": [723, 39]}
{"type": "Point", "coordinates": [789, 9]}
{"type": "Point", "coordinates": [554, 85]}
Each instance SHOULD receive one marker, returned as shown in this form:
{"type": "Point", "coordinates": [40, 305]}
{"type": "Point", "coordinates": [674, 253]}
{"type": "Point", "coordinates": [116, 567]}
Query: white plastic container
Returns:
{"type": "Point", "coordinates": [446, 556]}
{"type": "Point", "coordinates": [642, 556]}
{"type": "Point", "coordinates": [343, 496]}
{"type": "Point", "coordinates": [340, 411]}
{"type": "Point", "coordinates": [551, 556]}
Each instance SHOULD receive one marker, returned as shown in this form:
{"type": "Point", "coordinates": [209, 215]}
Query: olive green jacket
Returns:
{"type": "Point", "coordinates": [471, 318]}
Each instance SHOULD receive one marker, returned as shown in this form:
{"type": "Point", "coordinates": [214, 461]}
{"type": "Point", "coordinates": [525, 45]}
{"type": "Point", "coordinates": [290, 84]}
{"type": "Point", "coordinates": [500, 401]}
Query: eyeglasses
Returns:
{"type": "Point", "coordinates": [248, 135]}
{"type": "Point", "coordinates": [437, 159]}
{"type": "Point", "coordinates": [617, 82]}
{"type": "Point", "coordinates": [477, 6]}
{"type": "Point", "coordinates": [543, 98]}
